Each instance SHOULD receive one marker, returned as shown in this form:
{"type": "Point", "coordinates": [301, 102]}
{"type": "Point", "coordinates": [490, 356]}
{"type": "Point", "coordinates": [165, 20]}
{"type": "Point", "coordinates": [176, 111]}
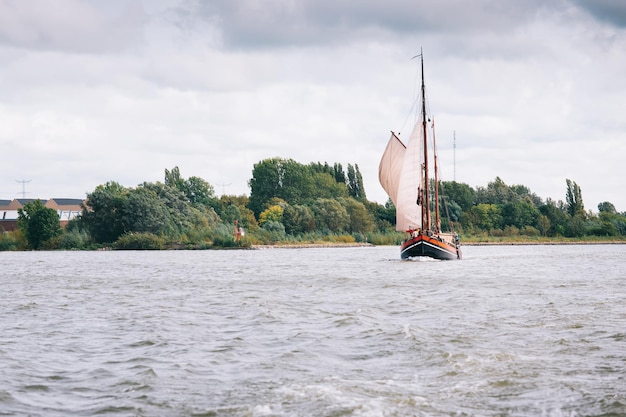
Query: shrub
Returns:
{"type": "Point", "coordinates": [529, 231]}
{"type": "Point", "coordinates": [73, 239]}
{"type": "Point", "coordinates": [139, 241]}
{"type": "Point", "coordinates": [8, 241]}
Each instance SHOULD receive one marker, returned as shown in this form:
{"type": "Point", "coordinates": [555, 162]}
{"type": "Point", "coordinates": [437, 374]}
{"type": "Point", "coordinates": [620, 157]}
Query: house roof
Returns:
{"type": "Point", "coordinates": [24, 201]}
{"type": "Point", "coordinates": [67, 201]}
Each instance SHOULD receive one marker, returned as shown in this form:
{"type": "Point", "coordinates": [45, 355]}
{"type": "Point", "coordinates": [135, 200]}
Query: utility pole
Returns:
{"type": "Point", "coordinates": [23, 182]}
{"type": "Point", "coordinates": [223, 187]}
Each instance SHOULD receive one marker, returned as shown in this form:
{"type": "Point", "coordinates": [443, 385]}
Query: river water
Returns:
{"type": "Point", "coordinates": [507, 331]}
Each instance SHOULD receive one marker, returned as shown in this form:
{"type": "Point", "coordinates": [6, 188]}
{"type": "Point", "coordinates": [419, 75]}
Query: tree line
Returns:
{"type": "Point", "coordinates": [294, 202]}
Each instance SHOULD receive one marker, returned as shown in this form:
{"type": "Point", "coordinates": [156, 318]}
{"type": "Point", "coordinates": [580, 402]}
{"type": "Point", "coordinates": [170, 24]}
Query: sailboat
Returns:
{"type": "Point", "coordinates": [404, 174]}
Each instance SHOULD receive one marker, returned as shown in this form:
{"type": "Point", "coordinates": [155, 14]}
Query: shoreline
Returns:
{"type": "Point", "coordinates": [591, 242]}
{"type": "Point", "coordinates": [355, 245]}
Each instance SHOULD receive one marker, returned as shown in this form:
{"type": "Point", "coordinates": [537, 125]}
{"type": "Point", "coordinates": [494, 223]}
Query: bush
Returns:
{"type": "Point", "coordinates": [271, 233]}
{"type": "Point", "coordinates": [8, 241]}
{"type": "Point", "coordinates": [223, 236]}
{"type": "Point", "coordinates": [530, 231]}
{"type": "Point", "coordinates": [73, 239]}
{"type": "Point", "coordinates": [139, 241]}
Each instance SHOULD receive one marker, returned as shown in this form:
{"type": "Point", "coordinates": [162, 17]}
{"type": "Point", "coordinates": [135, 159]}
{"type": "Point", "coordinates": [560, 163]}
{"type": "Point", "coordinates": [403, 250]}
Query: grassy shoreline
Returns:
{"type": "Point", "coordinates": [493, 241]}
{"type": "Point", "coordinates": [517, 240]}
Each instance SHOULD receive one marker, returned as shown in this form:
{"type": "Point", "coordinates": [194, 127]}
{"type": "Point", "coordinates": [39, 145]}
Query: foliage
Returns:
{"type": "Point", "coordinates": [73, 239]}
{"type": "Point", "coordinates": [9, 241]}
{"type": "Point", "coordinates": [355, 183]}
{"type": "Point", "coordinates": [360, 220]}
{"type": "Point", "coordinates": [607, 207]}
{"type": "Point", "coordinates": [101, 214]}
{"type": "Point", "coordinates": [330, 215]}
{"type": "Point", "coordinates": [574, 199]}
{"type": "Point", "coordinates": [271, 214]}
{"type": "Point", "coordinates": [38, 223]}
{"type": "Point", "coordinates": [298, 219]}
{"type": "Point", "coordinates": [296, 203]}
{"type": "Point", "coordinates": [139, 241]}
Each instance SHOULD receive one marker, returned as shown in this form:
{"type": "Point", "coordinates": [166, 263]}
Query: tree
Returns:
{"type": "Point", "coordinates": [282, 178]}
{"type": "Point", "coordinates": [195, 189]}
{"type": "Point", "coordinates": [575, 227]}
{"type": "Point", "coordinates": [38, 223]}
{"type": "Point", "coordinates": [355, 183]}
{"type": "Point", "coordinates": [543, 224]}
{"type": "Point", "coordinates": [484, 216]}
{"type": "Point", "coordinates": [556, 217]}
{"type": "Point", "coordinates": [331, 215]}
{"type": "Point", "coordinates": [326, 187]}
{"type": "Point", "coordinates": [606, 207]}
{"type": "Point", "coordinates": [574, 199]}
{"type": "Point", "coordinates": [144, 211]}
{"type": "Point", "coordinates": [101, 212]}
{"type": "Point", "coordinates": [497, 192]}
{"type": "Point", "coordinates": [298, 219]}
{"type": "Point", "coordinates": [460, 193]}
{"type": "Point", "coordinates": [183, 214]}
{"type": "Point", "coordinates": [271, 214]}
{"type": "Point", "coordinates": [360, 219]}
{"type": "Point", "coordinates": [338, 173]}
{"type": "Point", "coordinates": [519, 213]}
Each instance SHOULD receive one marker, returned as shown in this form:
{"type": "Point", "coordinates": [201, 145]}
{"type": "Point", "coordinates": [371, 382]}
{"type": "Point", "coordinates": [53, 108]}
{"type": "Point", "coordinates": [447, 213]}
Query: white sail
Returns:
{"type": "Point", "coordinates": [400, 174]}
{"type": "Point", "coordinates": [391, 166]}
{"type": "Point", "coordinates": [408, 212]}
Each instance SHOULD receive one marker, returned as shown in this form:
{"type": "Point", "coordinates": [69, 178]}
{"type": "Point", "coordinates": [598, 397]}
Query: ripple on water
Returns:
{"type": "Point", "coordinates": [333, 332]}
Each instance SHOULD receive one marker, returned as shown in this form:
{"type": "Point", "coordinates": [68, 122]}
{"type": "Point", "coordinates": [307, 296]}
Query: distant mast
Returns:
{"type": "Point", "coordinates": [454, 154]}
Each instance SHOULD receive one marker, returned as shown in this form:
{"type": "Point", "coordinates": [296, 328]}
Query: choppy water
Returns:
{"type": "Point", "coordinates": [508, 331]}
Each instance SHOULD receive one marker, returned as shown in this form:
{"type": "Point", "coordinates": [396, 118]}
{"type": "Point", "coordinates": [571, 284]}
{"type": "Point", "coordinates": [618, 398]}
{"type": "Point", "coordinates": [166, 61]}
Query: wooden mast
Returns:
{"type": "Point", "coordinates": [437, 221]}
{"type": "Point", "coordinates": [425, 185]}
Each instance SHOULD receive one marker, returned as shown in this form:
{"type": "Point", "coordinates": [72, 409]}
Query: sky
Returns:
{"type": "Point", "coordinates": [91, 91]}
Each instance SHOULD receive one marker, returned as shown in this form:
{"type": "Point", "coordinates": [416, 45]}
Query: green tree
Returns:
{"type": "Point", "coordinates": [543, 224]}
{"type": "Point", "coordinates": [271, 214]}
{"type": "Point", "coordinates": [355, 183]}
{"type": "Point", "coordinates": [338, 173]}
{"type": "Point", "coordinates": [606, 207]}
{"type": "Point", "coordinates": [520, 213]}
{"type": "Point", "coordinates": [144, 211]}
{"type": "Point", "coordinates": [484, 216]}
{"type": "Point", "coordinates": [195, 189]}
{"type": "Point", "coordinates": [331, 215]}
{"type": "Point", "coordinates": [497, 192]}
{"type": "Point", "coordinates": [282, 178]}
{"type": "Point", "coordinates": [38, 223]}
{"type": "Point", "coordinates": [574, 199]}
{"type": "Point", "coordinates": [183, 214]}
{"type": "Point", "coordinates": [460, 193]}
{"type": "Point", "coordinates": [101, 212]}
{"type": "Point", "coordinates": [556, 216]}
{"type": "Point", "coordinates": [298, 219]}
{"type": "Point", "coordinates": [360, 219]}
{"type": "Point", "coordinates": [326, 187]}
{"type": "Point", "coordinates": [575, 227]}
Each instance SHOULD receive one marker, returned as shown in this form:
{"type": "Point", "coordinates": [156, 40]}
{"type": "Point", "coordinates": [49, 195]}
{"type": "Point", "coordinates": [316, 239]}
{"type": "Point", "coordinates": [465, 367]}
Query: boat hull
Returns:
{"type": "Point", "coordinates": [429, 246]}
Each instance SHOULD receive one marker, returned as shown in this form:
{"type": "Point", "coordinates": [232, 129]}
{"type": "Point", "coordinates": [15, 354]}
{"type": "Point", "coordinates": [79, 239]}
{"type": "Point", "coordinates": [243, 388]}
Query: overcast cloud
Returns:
{"type": "Point", "coordinates": [94, 91]}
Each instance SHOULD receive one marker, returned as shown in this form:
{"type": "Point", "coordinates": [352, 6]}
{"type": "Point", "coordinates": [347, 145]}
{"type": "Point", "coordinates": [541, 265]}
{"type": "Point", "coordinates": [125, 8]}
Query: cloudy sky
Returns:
{"type": "Point", "coordinates": [119, 90]}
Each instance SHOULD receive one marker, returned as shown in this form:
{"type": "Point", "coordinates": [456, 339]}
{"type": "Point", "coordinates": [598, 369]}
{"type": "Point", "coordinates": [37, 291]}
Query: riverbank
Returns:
{"type": "Point", "coordinates": [311, 245]}
{"type": "Point", "coordinates": [522, 243]}
{"type": "Point", "coordinates": [501, 242]}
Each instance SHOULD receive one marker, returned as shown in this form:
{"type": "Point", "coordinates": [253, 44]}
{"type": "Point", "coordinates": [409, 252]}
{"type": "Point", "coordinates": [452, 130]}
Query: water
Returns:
{"type": "Point", "coordinates": [508, 331]}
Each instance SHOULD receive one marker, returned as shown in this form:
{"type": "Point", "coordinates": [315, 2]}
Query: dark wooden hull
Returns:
{"type": "Point", "coordinates": [430, 246]}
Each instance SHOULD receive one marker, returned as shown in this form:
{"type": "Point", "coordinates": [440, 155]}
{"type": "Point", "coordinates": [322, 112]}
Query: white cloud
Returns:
{"type": "Point", "coordinates": [94, 91]}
